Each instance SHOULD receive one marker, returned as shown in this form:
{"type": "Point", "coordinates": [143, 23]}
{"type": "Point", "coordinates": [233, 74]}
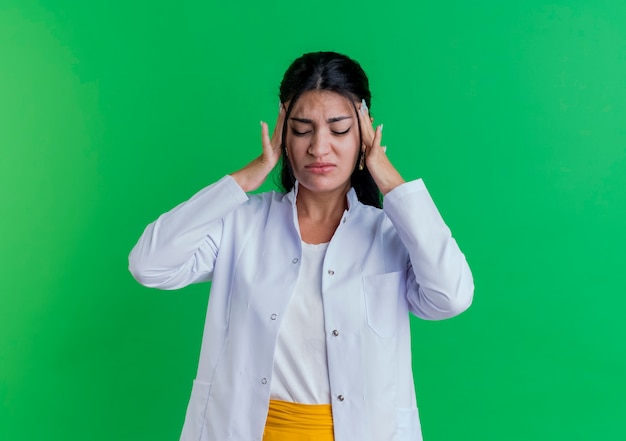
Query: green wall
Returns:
{"type": "Point", "coordinates": [514, 114]}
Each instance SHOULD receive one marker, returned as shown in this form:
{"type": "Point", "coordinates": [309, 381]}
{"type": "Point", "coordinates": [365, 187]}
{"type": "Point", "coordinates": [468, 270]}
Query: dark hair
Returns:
{"type": "Point", "coordinates": [328, 71]}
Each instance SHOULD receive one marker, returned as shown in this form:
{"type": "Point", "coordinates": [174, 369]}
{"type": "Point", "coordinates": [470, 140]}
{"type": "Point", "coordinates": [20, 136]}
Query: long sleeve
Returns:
{"type": "Point", "coordinates": [180, 247]}
{"type": "Point", "coordinates": [440, 281]}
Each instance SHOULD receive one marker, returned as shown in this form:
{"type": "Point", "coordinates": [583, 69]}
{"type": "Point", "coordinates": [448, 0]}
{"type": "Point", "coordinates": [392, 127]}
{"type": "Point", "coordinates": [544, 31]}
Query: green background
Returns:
{"type": "Point", "coordinates": [112, 112]}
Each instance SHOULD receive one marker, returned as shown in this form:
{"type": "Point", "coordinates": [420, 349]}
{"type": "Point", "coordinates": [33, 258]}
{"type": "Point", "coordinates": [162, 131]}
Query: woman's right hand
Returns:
{"type": "Point", "coordinates": [253, 175]}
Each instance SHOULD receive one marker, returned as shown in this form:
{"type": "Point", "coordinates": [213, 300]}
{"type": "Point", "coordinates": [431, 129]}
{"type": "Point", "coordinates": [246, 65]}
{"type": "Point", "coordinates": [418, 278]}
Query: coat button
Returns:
{"type": "Point", "coordinates": [340, 397]}
{"type": "Point", "coordinates": [335, 333]}
{"type": "Point", "coordinates": [273, 316]}
{"type": "Point", "coordinates": [295, 260]}
{"type": "Point", "coordinates": [263, 380]}
{"type": "Point", "coordinates": [331, 272]}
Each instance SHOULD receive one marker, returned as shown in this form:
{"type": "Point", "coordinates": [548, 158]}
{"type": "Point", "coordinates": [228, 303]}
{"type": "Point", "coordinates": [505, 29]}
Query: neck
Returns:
{"type": "Point", "coordinates": [322, 207]}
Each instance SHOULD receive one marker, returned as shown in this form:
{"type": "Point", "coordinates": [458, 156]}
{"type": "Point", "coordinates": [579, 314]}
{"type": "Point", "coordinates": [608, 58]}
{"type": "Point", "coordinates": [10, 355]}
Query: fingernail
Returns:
{"type": "Point", "coordinates": [363, 106]}
{"type": "Point", "coordinates": [384, 149]}
{"type": "Point", "coordinates": [261, 123]}
{"type": "Point", "coordinates": [381, 128]}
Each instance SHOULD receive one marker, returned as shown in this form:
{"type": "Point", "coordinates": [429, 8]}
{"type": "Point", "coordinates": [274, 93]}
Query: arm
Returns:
{"type": "Point", "coordinates": [181, 246]}
{"type": "Point", "coordinates": [440, 284]}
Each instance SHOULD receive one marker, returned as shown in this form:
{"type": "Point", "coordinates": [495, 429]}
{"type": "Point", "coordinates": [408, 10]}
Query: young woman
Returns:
{"type": "Point", "coordinates": [307, 330]}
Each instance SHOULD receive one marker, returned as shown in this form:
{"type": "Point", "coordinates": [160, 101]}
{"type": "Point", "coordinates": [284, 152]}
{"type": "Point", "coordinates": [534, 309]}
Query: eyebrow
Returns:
{"type": "Point", "coordinates": [329, 120]}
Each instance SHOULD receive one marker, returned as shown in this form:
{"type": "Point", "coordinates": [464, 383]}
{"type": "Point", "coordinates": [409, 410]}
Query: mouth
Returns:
{"type": "Point", "coordinates": [320, 167]}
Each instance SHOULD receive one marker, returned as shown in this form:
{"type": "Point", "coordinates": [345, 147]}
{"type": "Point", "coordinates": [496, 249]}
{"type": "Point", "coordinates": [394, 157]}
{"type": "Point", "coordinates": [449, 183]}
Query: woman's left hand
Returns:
{"type": "Point", "coordinates": [384, 173]}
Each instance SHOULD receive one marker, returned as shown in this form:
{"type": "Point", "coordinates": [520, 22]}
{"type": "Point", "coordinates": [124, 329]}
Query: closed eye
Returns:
{"type": "Point", "coordinates": [296, 133]}
{"type": "Point", "coordinates": [342, 133]}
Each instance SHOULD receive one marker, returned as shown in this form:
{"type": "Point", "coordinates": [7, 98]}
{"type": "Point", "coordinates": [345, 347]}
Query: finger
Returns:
{"type": "Point", "coordinates": [367, 131]}
{"type": "Point", "coordinates": [270, 149]}
{"type": "Point", "coordinates": [277, 136]}
{"type": "Point", "coordinates": [375, 152]}
{"type": "Point", "coordinates": [378, 136]}
{"type": "Point", "coordinates": [265, 136]}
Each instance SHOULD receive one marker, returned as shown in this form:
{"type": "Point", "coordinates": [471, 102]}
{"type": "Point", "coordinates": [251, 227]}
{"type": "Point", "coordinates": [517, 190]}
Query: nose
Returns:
{"type": "Point", "coordinates": [320, 144]}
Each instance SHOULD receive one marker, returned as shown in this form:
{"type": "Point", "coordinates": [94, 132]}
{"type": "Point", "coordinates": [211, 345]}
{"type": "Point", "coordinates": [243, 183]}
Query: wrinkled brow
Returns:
{"type": "Point", "coordinates": [329, 120]}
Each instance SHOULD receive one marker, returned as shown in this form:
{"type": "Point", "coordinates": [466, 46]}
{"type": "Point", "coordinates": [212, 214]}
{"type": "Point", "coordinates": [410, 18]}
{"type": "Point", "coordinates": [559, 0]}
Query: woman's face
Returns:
{"type": "Point", "coordinates": [323, 141]}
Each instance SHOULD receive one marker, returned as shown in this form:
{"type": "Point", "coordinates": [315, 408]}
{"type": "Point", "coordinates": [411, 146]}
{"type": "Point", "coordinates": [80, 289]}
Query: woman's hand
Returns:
{"type": "Point", "coordinates": [384, 173]}
{"type": "Point", "coordinates": [253, 175]}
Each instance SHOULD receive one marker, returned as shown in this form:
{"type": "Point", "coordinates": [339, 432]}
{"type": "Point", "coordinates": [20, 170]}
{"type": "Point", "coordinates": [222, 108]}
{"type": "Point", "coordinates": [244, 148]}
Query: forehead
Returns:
{"type": "Point", "coordinates": [323, 103]}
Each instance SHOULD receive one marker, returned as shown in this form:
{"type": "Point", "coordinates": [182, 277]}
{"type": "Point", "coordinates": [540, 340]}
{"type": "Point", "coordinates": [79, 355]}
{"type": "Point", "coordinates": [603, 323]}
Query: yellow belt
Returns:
{"type": "Point", "coordinates": [298, 422]}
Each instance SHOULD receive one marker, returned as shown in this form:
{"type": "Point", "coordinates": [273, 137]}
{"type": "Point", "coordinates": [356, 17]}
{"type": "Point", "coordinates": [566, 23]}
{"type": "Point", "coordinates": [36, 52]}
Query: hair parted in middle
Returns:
{"type": "Point", "coordinates": [333, 72]}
